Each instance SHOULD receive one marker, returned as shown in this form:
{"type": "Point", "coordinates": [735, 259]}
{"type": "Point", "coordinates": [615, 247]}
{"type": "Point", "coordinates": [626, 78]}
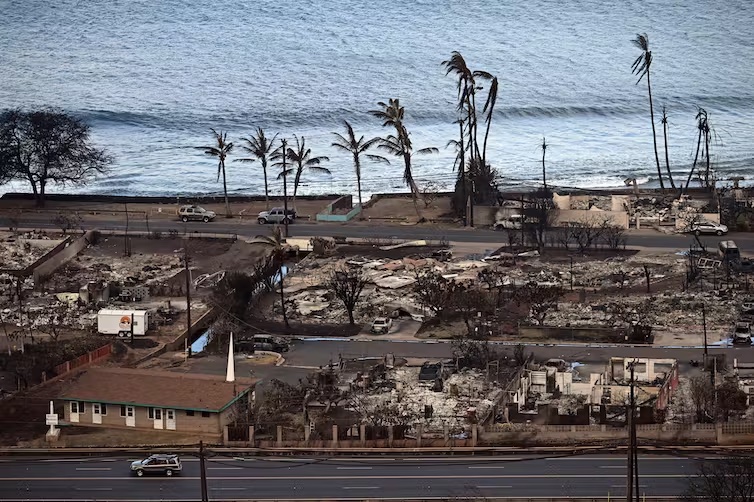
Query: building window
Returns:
{"type": "Point", "coordinates": [103, 409]}
{"type": "Point", "coordinates": [205, 414]}
{"type": "Point", "coordinates": [77, 407]}
{"type": "Point", "coordinates": [122, 410]}
{"type": "Point", "coordinates": [150, 413]}
{"type": "Point", "coordinates": [189, 413]}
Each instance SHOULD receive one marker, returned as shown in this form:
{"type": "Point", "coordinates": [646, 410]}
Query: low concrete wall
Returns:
{"type": "Point", "coordinates": [330, 213]}
{"type": "Point", "coordinates": [566, 434]}
{"type": "Point", "coordinates": [581, 333]}
{"type": "Point", "coordinates": [47, 267]}
{"type": "Point", "coordinates": [564, 216]}
{"type": "Point", "coordinates": [198, 324]}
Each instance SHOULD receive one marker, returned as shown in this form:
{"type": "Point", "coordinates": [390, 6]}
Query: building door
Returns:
{"type": "Point", "coordinates": [130, 417]}
{"type": "Point", "coordinates": [170, 419]}
{"type": "Point", "coordinates": [158, 419]}
{"type": "Point", "coordinates": [96, 413]}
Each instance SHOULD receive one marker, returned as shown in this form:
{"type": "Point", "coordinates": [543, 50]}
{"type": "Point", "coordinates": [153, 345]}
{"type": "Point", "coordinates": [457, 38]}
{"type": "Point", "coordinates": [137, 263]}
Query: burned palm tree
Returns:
{"type": "Point", "coordinates": [477, 172]}
{"type": "Point", "coordinates": [665, 138]}
{"type": "Point", "coordinates": [357, 148]}
{"type": "Point", "coordinates": [641, 67]}
{"type": "Point", "coordinates": [701, 127]}
{"type": "Point", "coordinates": [544, 170]}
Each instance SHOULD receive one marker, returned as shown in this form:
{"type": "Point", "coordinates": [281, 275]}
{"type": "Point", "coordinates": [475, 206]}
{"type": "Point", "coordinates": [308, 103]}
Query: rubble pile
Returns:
{"type": "Point", "coordinates": [464, 398]}
{"type": "Point", "coordinates": [19, 251]}
{"type": "Point", "coordinates": [139, 269]}
{"type": "Point", "coordinates": [602, 202]}
{"type": "Point", "coordinates": [669, 311]}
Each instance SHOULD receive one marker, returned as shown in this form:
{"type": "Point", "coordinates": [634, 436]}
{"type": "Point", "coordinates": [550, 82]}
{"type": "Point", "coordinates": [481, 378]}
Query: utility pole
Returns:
{"type": "Point", "coordinates": [285, 187]}
{"type": "Point", "coordinates": [187, 273]}
{"type": "Point", "coordinates": [126, 251]}
{"type": "Point", "coordinates": [632, 474]}
{"type": "Point", "coordinates": [203, 469]}
{"type": "Point", "coordinates": [132, 329]}
{"type": "Point", "coordinates": [704, 327]}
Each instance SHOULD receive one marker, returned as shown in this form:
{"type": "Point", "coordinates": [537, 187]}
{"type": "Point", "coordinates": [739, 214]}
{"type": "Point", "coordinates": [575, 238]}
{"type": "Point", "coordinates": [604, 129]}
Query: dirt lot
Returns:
{"type": "Point", "coordinates": [402, 208]}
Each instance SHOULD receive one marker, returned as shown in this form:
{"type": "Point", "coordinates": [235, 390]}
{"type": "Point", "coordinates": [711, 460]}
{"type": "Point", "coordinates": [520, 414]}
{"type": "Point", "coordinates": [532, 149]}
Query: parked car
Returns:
{"type": "Point", "coordinates": [742, 333]}
{"type": "Point", "coordinates": [157, 464]}
{"type": "Point", "coordinates": [708, 227]}
{"type": "Point", "coordinates": [382, 325]}
{"type": "Point", "coordinates": [262, 342]}
{"type": "Point", "coordinates": [195, 213]}
{"type": "Point", "coordinates": [276, 215]}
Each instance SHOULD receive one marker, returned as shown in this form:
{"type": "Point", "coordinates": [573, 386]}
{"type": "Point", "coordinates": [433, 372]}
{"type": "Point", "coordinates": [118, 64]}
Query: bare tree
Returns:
{"type": "Point", "coordinates": [702, 397]}
{"type": "Point", "coordinates": [614, 236]}
{"type": "Point", "coordinates": [725, 479]}
{"type": "Point", "coordinates": [347, 285]}
{"type": "Point", "coordinates": [435, 292]}
{"type": "Point", "coordinates": [67, 221]}
{"type": "Point", "coordinates": [542, 299]}
{"type": "Point", "coordinates": [730, 399]}
{"type": "Point", "coordinates": [430, 191]}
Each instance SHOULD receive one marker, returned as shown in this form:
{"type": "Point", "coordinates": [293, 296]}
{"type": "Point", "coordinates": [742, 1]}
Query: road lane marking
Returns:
{"type": "Point", "coordinates": [354, 468]}
{"type": "Point", "coordinates": [304, 478]}
{"type": "Point", "coordinates": [361, 487]}
{"type": "Point", "coordinates": [224, 468]}
{"type": "Point", "coordinates": [94, 468]}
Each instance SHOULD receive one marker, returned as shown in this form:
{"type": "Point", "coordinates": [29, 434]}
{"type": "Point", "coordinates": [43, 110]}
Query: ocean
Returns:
{"type": "Point", "coordinates": [152, 78]}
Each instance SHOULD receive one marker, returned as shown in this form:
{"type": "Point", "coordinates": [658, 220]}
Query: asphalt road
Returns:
{"type": "Point", "coordinates": [319, 352]}
{"type": "Point", "coordinates": [246, 228]}
{"type": "Point", "coordinates": [346, 479]}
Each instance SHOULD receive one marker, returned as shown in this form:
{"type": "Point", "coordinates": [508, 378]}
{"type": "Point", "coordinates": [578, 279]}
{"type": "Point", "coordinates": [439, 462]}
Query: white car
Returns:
{"type": "Point", "coordinates": [708, 227]}
{"type": "Point", "coordinates": [382, 325]}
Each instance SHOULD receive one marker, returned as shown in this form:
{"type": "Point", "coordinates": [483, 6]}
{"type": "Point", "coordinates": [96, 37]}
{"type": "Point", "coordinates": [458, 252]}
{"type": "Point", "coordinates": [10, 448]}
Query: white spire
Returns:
{"type": "Point", "coordinates": [230, 375]}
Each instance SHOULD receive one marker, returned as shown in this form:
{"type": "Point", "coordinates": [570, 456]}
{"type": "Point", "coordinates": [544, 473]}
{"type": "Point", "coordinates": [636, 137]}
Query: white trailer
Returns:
{"type": "Point", "coordinates": [119, 322]}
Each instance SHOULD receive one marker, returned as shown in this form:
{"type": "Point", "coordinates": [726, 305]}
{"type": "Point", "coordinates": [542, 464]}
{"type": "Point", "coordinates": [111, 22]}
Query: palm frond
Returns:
{"type": "Point", "coordinates": [428, 150]}
{"type": "Point", "coordinates": [377, 158]}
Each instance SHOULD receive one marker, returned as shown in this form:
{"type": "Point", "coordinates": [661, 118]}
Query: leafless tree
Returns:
{"type": "Point", "coordinates": [435, 292]}
{"type": "Point", "coordinates": [725, 479]}
{"type": "Point", "coordinates": [347, 285]}
{"type": "Point", "coordinates": [730, 399]}
{"type": "Point", "coordinates": [67, 221]}
{"type": "Point", "coordinates": [614, 236]}
{"type": "Point", "coordinates": [542, 299]}
{"type": "Point", "coordinates": [539, 214]}
{"type": "Point", "coordinates": [702, 397]}
{"type": "Point", "coordinates": [430, 191]}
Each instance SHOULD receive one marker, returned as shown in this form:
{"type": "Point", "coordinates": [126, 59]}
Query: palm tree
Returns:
{"type": "Point", "coordinates": [278, 250]}
{"type": "Point", "coordinates": [544, 171]}
{"type": "Point", "coordinates": [477, 172]}
{"type": "Point", "coordinates": [399, 144]}
{"type": "Point", "coordinates": [665, 138]}
{"type": "Point", "coordinates": [701, 126]}
{"type": "Point", "coordinates": [350, 144]}
{"type": "Point", "coordinates": [220, 149]}
{"type": "Point", "coordinates": [641, 68]}
{"type": "Point", "coordinates": [301, 159]}
{"type": "Point", "coordinates": [259, 147]}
